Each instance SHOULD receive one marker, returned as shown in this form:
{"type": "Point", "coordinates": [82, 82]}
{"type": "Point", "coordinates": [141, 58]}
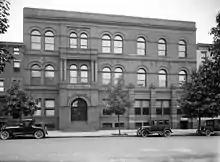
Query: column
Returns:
{"type": "Point", "coordinates": [92, 71]}
{"type": "Point", "coordinates": [152, 103]}
{"type": "Point", "coordinates": [174, 121]}
{"type": "Point", "coordinates": [64, 69]}
{"type": "Point", "coordinates": [96, 71]}
{"type": "Point", "coordinates": [61, 70]}
{"type": "Point", "coordinates": [131, 115]}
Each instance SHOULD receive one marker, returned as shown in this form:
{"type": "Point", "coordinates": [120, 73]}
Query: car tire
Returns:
{"type": "Point", "coordinates": [39, 134]}
{"type": "Point", "coordinates": [144, 133]}
{"type": "Point", "coordinates": [208, 133]}
{"type": "Point", "coordinates": [5, 135]}
{"type": "Point", "coordinates": [138, 133]}
{"type": "Point", "coordinates": [167, 133]}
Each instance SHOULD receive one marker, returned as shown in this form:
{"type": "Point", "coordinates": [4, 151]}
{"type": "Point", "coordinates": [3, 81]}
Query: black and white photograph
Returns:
{"type": "Point", "coordinates": [109, 81]}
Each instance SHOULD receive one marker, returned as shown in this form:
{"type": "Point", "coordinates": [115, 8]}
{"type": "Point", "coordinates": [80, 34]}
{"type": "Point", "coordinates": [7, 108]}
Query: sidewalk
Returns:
{"type": "Point", "coordinates": [112, 133]}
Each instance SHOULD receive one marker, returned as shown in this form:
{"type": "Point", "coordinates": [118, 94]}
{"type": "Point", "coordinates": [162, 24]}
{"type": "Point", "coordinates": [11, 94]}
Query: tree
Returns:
{"type": "Point", "coordinates": [5, 56]}
{"type": "Point", "coordinates": [198, 98]}
{"type": "Point", "coordinates": [201, 95]}
{"type": "Point", "coordinates": [19, 103]}
{"type": "Point", "coordinates": [118, 100]}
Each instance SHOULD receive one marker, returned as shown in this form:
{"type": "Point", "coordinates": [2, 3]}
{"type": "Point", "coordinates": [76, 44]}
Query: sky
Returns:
{"type": "Point", "coordinates": [203, 12]}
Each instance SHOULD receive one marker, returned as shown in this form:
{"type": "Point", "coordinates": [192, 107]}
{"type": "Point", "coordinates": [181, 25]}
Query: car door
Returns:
{"type": "Point", "coordinates": [27, 128]}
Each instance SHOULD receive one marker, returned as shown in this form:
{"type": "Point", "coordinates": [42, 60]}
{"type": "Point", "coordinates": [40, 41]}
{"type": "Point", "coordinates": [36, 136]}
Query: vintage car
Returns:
{"type": "Point", "coordinates": [210, 127]}
{"type": "Point", "coordinates": [25, 127]}
{"type": "Point", "coordinates": [160, 127]}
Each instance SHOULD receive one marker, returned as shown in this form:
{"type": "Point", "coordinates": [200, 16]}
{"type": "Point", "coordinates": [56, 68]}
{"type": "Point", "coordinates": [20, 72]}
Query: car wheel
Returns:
{"type": "Point", "coordinates": [144, 134]}
{"type": "Point", "coordinates": [138, 133]}
{"type": "Point", "coordinates": [39, 134]}
{"type": "Point", "coordinates": [166, 134]}
{"type": "Point", "coordinates": [5, 135]}
{"type": "Point", "coordinates": [208, 133]}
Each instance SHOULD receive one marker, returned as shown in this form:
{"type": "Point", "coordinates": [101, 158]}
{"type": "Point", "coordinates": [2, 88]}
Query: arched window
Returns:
{"type": "Point", "coordinates": [35, 71]}
{"type": "Point", "coordinates": [84, 74]}
{"type": "Point", "coordinates": [35, 40]}
{"type": "Point", "coordinates": [182, 48]}
{"type": "Point", "coordinates": [118, 44]}
{"type": "Point", "coordinates": [117, 74]}
{"type": "Point", "coordinates": [73, 74]}
{"type": "Point", "coordinates": [141, 46]}
{"type": "Point", "coordinates": [162, 47]}
{"type": "Point", "coordinates": [106, 44]}
{"type": "Point", "coordinates": [73, 40]}
{"type": "Point", "coordinates": [141, 78]}
{"type": "Point", "coordinates": [162, 77]}
{"type": "Point", "coordinates": [49, 41]}
{"type": "Point", "coordinates": [106, 75]}
{"type": "Point", "coordinates": [83, 41]}
{"type": "Point", "coordinates": [49, 71]}
{"type": "Point", "coordinates": [182, 76]}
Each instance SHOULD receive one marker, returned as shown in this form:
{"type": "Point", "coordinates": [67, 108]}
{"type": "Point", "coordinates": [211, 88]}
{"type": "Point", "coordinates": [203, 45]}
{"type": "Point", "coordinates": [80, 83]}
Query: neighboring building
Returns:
{"type": "Point", "coordinates": [203, 51]}
{"type": "Point", "coordinates": [12, 72]}
{"type": "Point", "coordinates": [71, 57]}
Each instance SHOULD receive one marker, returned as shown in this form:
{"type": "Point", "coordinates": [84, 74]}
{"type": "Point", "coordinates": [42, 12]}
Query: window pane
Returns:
{"type": "Point", "coordinates": [35, 46]}
{"type": "Point", "coordinates": [166, 111]}
{"type": "Point", "coordinates": [145, 103]}
{"type": "Point", "coordinates": [106, 125]}
{"type": "Point", "coordinates": [117, 50]}
{"type": "Point", "coordinates": [73, 43]}
{"type": "Point", "coordinates": [83, 43]}
{"type": "Point", "coordinates": [1, 89]}
{"type": "Point", "coordinates": [137, 111]}
{"type": "Point", "coordinates": [37, 113]}
{"type": "Point", "coordinates": [49, 103]}
{"type": "Point", "coordinates": [145, 111]}
{"type": "Point", "coordinates": [49, 47]}
{"type": "Point", "coordinates": [1, 83]}
{"type": "Point", "coordinates": [141, 52]}
{"type": "Point", "coordinates": [106, 43]}
{"type": "Point", "coordinates": [35, 73]}
{"type": "Point", "coordinates": [137, 103]}
{"type": "Point", "coordinates": [49, 74]}
{"type": "Point", "coordinates": [106, 78]}
{"type": "Point", "coordinates": [162, 80]}
{"type": "Point", "coordinates": [106, 50]}
{"type": "Point", "coordinates": [161, 47]}
{"type": "Point", "coordinates": [165, 104]}
{"type": "Point", "coordinates": [50, 112]}
{"type": "Point", "coordinates": [49, 40]}
{"type": "Point", "coordinates": [159, 111]}
{"type": "Point", "coordinates": [16, 64]}
{"type": "Point", "coordinates": [36, 39]}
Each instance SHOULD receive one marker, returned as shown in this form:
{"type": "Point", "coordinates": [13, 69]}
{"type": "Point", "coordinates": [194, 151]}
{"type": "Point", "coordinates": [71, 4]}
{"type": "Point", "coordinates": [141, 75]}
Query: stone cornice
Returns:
{"type": "Point", "coordinates": [103, 19]}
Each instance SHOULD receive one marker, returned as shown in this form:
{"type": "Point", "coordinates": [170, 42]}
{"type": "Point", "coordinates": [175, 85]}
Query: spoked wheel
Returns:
{"type": "Point", "coordinates": [144, 134]}
{"type": "Point", "coordinates": [138, 133]}
{"type": "Point", "coordinates": [208, 133]}
{"type": "Point", "coordinates": [39, 134]}
{"type": "Point", "coordinates": [166, 134]}
{"type": "Point", "coordinates": [5, 135]}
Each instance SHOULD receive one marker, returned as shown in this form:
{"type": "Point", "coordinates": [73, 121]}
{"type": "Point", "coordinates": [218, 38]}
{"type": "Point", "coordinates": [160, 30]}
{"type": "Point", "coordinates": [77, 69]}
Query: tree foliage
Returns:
{"type": "Point", "coordinates": [201, 94]}
{"type": "Point", "coordinates": [5, 56]}
{"type": "Point", "coordinates": [118, 100]}
{"type": "Point", "coordinates": [19, 103]}
{"type": "Point", "coordinates": [4, 13]}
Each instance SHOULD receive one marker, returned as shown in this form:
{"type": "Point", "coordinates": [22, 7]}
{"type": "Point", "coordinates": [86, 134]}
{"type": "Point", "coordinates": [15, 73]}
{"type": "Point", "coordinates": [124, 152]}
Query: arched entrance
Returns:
{"type": "Point", "coordinates": [79, 110]}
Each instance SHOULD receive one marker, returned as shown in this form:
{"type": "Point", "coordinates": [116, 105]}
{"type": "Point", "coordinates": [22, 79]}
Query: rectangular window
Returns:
{"type": "Point", "coordinates": [2, 88]}
{"type": "Point", "coordinates": [137, 111]}
{"type": "Point", "coordinates": [106, 125]}
{"type": "Point", "coordinates": [146, 123]}
{"type": "Point", "coordinates": [16, 51]}
{"type": "Point", "coordinates": [121, 125]}
{"type": "Point", "coordinates": [49, 43]}
{"type": "Point", "coordinates": [166, 111]}
{"type": "Point", "coordinates": [49, 107]}
{"type": "Point", "coordinates": [159, 111]}
{"type": "Point", "coordinates": [16, 64]}
{"type": "Point", "coordinates": [38, 111]}
{"type": "Point", "coordinates": [138, 125]}
{"type": "Point", "coordinates": [146, 111]}
{"type": "Point", "coordinates": [36, 42]}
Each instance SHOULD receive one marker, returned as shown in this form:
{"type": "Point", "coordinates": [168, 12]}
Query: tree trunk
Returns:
{"type": "Point", "coordinates": [199, 125]}
{"type": "Point", "coordinates": [119, 129]}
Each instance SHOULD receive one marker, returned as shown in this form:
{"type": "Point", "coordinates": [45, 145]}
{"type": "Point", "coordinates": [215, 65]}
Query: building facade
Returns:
{"type": "Point", "coordinates": [203, 52]}
{"type": "Point", "coordinates": [71, 57]}
{"type": "Point", "coordinates": [12, 72]}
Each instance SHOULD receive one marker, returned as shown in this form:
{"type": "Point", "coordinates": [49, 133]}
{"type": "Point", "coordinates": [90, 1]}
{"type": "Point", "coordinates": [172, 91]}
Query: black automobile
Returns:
{"type": "Point", "coordinates": [210, 127]}
{"type": "Point", "coordinates": [159, 127]}
{"type": "Point", "coordinates": [25, 127]}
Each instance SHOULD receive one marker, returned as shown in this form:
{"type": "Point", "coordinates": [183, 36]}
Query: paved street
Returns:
{"type": "Point", "coordinates": [113, 149]}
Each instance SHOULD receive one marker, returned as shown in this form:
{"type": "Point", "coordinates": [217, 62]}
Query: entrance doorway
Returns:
{"type": "Point", "coordinates": [79, 110]}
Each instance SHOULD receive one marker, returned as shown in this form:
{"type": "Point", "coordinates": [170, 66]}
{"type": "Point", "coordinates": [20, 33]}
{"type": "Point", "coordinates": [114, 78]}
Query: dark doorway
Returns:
{"type": "Point", "coordinates": [183, 124]}
{"type": "Point", "coordinates": [79, 110]}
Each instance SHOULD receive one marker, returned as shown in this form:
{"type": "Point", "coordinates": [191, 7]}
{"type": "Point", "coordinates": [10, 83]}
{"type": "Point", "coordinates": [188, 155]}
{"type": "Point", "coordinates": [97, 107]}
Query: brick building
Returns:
{"type": "Point", "coordinates": [70, 57]}
{"type": "Point", "coordinates": [12, 72]}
